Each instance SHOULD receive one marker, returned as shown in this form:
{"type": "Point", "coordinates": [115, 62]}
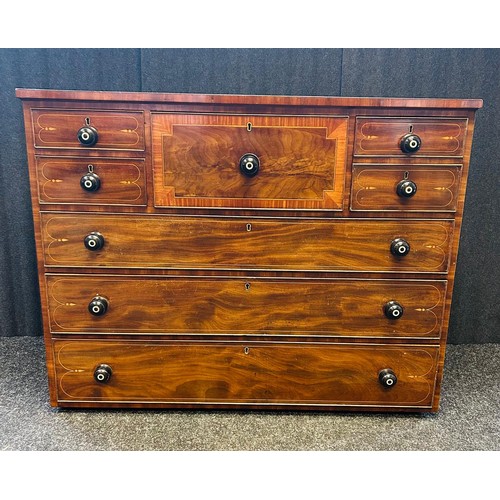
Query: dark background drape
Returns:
{"type": "Point", "coordinates": [454, 73]}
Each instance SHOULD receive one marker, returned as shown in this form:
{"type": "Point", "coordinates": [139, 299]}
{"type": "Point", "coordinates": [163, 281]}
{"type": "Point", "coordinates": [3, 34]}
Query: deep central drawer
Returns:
{"type": "Point", "coordinates": [245, 306]}
{"type": "Point", "coordinates": [171, 242]}
{"type": "Point", "coordinates": [244, 161]}
{"type": "Point", "coordinates": [242, 374]}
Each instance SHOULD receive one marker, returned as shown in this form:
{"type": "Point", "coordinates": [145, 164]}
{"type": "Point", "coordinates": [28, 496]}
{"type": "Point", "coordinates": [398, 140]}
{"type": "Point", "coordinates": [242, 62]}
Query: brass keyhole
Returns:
{"type": "Point", "coordinates": [247, 286]}
{"type": "Point", "coordinates": [249, 227]}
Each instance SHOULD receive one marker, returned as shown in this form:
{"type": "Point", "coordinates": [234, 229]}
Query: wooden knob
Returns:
{"type": "Point", "coordinates": [249, 164]}
{"type": "Point", "coordinates": [103, 373]}
{"type": "Point", "coordinates": [98, 306]}
{"type": "Point", "coordinates": [387, 377]}
{"type": "Point", "coordinates": [87, 136]}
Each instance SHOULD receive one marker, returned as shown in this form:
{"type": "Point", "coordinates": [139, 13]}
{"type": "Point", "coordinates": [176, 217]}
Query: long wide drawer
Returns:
{"type": "Point", "coordinates": [242, 374]}
{"type": "Point", "coordinates": [180, 242]}
{"type": "Point", "coordinates": [245, 306]}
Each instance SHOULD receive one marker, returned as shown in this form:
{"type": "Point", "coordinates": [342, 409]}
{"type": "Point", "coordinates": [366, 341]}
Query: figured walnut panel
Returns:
{"type": "Point", "coordinates": [374, 187]}
{"type": "Point", "coordinates": [119, 130]}
{"type": "Point", "coordinates": [246, 306]}
{"type": "Point", "coordinates": [239, 373]}
{"type": "Point", "coordinates": [378, 136]}
{"type": "Point", "coordinates": [122, 181]}
{"type": "Point", "coordinates": [196, 161]}
{"type": "Point", "coordinates": [246, 243]}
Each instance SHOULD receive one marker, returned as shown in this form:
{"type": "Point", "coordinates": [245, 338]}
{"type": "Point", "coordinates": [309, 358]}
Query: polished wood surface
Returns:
{"type": "Point", "coordinates": [123, 182]}
{"type": "Point", "coordinates": [374, 187]}
{"type": "Point", "coordinates": [238, 373]}
{"type": "Point", "coordinates": [246, 306]}
{"type": "Point", "coordinates": [382, 136]}
{"type": "Point", "coordinates": [186, 98]}
{"type": "Point", "coordinates": [196, 161]}
{"type": "Point", "coordinates": [247, 243]}
{"type": "Point", "coordinates": [116, 130]}
{"type": "Point", "coordinates": [260, 295]}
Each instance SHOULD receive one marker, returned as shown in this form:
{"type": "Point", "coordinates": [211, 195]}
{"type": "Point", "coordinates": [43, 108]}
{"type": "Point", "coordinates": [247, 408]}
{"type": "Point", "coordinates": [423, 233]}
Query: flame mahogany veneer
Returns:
{"type": "Point", "coordinates": [256, 252]}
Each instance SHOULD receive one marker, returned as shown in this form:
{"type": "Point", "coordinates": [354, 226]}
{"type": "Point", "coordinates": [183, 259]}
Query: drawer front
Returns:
{"type": "Point", "coordinates": [120, 182]}
{"type": "Point", "coordinates": [382, 136]}
{"type": "Point", "coordinates": [246, 306]}
{"type": "Point", "coordinates": [374, 187]}
{"type": "Point", "coordinates": [231, 243]}
{"type": "Point", "coordinates": [121, 130]}
{"type": "Point", "coordinates": [238, 373]}
{"type": "Point", "coordinates": [301, 161]}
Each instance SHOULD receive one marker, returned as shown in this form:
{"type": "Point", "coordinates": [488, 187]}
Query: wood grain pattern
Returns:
{"type": "Point", "coordinates": [225, 373]}
{"type": "Point", "coordinates": [116, 129]}
{"type": "Point", "coordinates": [225, 243]}
{"type": "Point", "coordinates": [319, 243]}
{"type": "Point", "coordinates": [374, 187]}
{"type": "Point", "coordinates": [196, 161]}
{"type": "Point", "coordinates": [246, 306]}
{"type": "Point", "coordinates": [122, 181]}
{"type": "Point", "coordinates": [255, 100]}
{"type": "Point", "coordinates": [381, 136]}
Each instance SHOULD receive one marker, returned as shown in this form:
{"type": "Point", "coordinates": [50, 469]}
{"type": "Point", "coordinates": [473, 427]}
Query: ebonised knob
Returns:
{"type": "Point", "coordinates": [249, 164]}
{"type": "Point", "coordinates": [406, 188]}
{"type": "Point", "coordinates": [393, 310]}
{"type": "Point", "coordinates": [410, 143]}
{"type": "Point", "coordinates": [90, 182]}
{"type": "Point", "coordinates": [387, 377]}
{"type": "Point", "coordinates": [94, 241]}
{"type": "Point", "coordinates": [103, 373]}
{"type": "Point", "coordinates": [400, 247]}
{"type": "Point", "coordinates": [87, 136]}
{"type": "Point", "coordinates": [98, 306]}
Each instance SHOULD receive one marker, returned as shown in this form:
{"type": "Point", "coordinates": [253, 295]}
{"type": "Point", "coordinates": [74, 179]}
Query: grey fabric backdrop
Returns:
{"type": "Point", "coordinates": [460, 73]}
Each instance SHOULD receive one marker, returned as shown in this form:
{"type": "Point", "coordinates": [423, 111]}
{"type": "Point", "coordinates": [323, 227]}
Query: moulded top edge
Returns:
{"type": "Point", "coordinates": [158, 97]}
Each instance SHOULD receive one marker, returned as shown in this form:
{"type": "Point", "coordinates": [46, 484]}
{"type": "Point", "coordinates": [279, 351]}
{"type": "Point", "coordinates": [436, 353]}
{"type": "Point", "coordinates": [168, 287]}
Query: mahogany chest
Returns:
{"type": "Point", "coordinates": [228, 251]}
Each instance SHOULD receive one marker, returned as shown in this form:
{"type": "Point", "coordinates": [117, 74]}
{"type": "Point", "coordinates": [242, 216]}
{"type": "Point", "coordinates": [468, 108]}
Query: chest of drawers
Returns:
{"type": "Point", "coordinates": [217, 251]}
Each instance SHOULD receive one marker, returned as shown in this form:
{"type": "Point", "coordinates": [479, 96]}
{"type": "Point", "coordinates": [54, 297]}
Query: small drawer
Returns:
{"type": "Point", "coordinates": [432, 188]}
{"type": "Point", "coordinates": [244, 374]}
{"type": "Point", "coordinates": [113, 130]}
{"type": "Point", "coordinates": [278, 162]}
{"type": "Point", "coordinates": [440, 137]}
{"type": "Point", "coordinates": [91, 181]}
{"type": "Point", "coordinates": [178, 242]}
{"type": "Point", "coordinates": [246, 306]}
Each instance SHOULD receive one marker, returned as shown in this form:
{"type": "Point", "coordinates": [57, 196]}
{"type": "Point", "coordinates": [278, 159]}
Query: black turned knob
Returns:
{"type": "Point", "coordinates": [98, 306]}
{"type": "Point", "coordinates": [400, 247]}
{"type": "Point", "coordinates": [90, 182]}
{"type": "Point", "coordinates": [393, 310]}
{"type": "Point", "coordinates": [387, 377]}
{"type": "Point", "coordinates": [406, 188]}
{"type": "Point", "coordinates": [94, 241]}
{"type": "Point", "coordinates": [103, 373]}
{"type": "Point", "coordinates": [87, 136]}
{"type": "Point", "coordinates": [249, 164]}
{"type": "Point", "coordinates": [410, 143]}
